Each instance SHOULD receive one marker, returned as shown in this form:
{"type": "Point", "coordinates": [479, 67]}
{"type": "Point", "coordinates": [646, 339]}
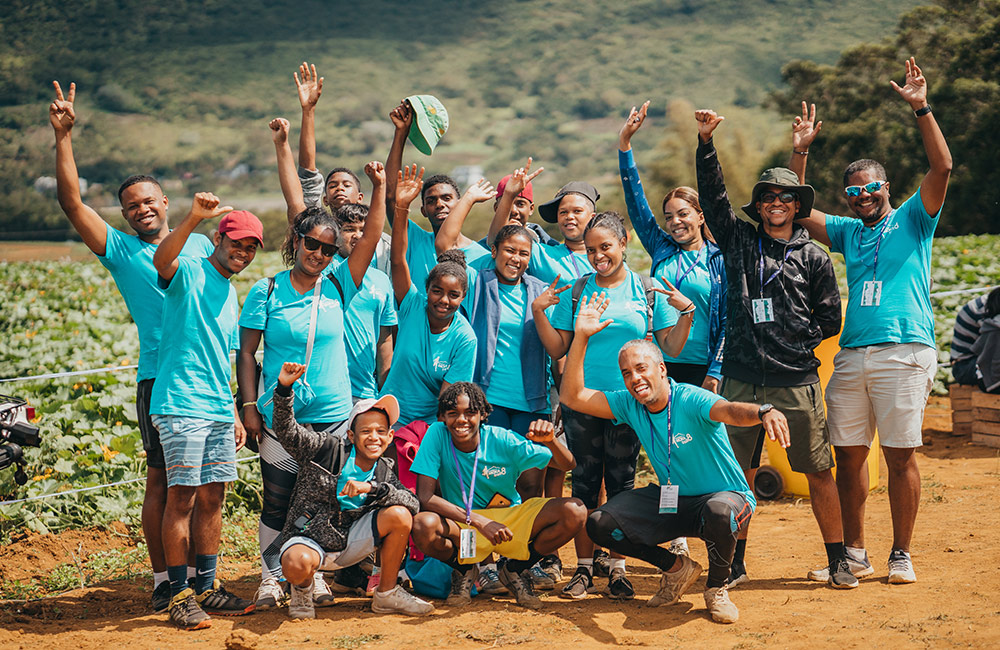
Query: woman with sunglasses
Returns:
{"type": "Point", "coordinates": [300, 314]}
{"type": "Point", "coordinates": [683, 254]}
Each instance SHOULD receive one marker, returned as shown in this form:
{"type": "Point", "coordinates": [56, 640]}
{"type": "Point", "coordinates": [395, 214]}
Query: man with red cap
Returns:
{"type": "Point", "coordinates": [521, 210]}
{"type": "Point", "coordinates": [192, 404]}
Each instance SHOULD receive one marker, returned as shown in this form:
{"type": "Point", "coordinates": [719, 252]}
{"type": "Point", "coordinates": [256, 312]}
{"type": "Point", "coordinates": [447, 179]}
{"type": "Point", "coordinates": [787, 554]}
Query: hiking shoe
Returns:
{"type": "Point", "coordinates": [674, 584]}
{"type": "Point", "coordinates": [461, 587]}
{"type": "Point", "coordinates": [322, 596]}
{"type": "Point", "coordinates": [719, 606]}
{"type": "Point", "coordinates": [374, 580]}
{"type": "Point", "coordinates": [581, 584]}
{"type": "Point", "coordinates": [269, 594]}
{"type": "Point", "coordinates": [489, 582]}
{"type": "Point", "coordinates": [841, 576]}
{"type": "Point", "coordinates": [679, 546]}
{"type": "Point", "coordinates": [161, 596]}
{"type": "Point", "coordinates": [519, 584]}
{"type": "Point", "coordinates": [602, 564]}
{"type": "Point", "coordinates": [399, 601]}
{"type": "Point", "coordinates": [540, 579]}
{"type": "Point", "coordinates": [900, 568]}
{"type": "Point", "coordinates": [185, 613]}
{"type": "Point", "coordinates": [351, 580]}
{"type": "Point", "coordinates": [219, 601]}
{"type": "Point", "coordinates": [301, 603]}
{"type": "Point", "coordinates": [619, 588]}
{"type": "Point", "coordinates": [860, 567]}
{"type": "Point", "coordinates": [552, 566]}
{"type": "Point", "coordinates": [737, 576]}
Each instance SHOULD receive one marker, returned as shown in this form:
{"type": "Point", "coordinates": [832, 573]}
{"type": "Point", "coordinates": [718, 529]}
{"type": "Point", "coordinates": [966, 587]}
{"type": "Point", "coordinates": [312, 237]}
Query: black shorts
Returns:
{"type": "Point", "coordinates": [150, 435]}
{"type": "Point", "coordinates": [687, 373]}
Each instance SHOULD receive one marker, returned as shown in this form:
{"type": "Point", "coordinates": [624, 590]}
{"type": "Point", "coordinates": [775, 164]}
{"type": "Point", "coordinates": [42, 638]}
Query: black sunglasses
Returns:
{"type": "Point", "coordinates": [785, 197]}
{"type": "Point", "coordinates": [311, 244]}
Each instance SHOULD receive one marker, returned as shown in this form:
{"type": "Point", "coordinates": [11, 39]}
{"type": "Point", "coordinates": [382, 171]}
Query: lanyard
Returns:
{"type": "Point", "coordinates": [670, 437]}
{"type": "Point", "coordinates": [878, 243]}
{"type": "Point", "coordinates": [467, 497]}
{"type": "Point", "coordinates": [678, 276]}
{"type": "Point", "coordinates": [572, 258]}
{"type": "Point", "coordinates": [760, 265]}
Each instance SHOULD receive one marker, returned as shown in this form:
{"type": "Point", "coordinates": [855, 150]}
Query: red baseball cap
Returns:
{"type": "Point", "coordinates": [526, 192]}
{"type": "Point", "coordinates": [240, 224]}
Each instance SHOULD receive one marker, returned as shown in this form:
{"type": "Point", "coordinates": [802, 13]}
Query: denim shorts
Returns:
{"type": "Point", "coordinates": [362, 539]}
{"type": "Point", "coordinates": [196, 451]}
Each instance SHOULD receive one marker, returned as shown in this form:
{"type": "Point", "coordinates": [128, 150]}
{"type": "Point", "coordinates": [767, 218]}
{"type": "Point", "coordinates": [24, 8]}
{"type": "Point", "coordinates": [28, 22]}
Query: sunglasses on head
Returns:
{"type": "Point", "coordinates": [784, 197]}
{"type": "Point", "coordinates": [311, 244]}
{"type": "Point", "coordinates": [855, 190]}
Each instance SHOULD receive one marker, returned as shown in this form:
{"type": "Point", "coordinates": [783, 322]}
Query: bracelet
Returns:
{"type": "Point", "coordinates": [397, 207]}
{"type": "Point", "coordinates": [920, 112]}
{"type": "Point", "coordinates": [246, 404]}
{"type": "Point", "coordinates": [689, 310]}
{"type": "Point", "coordinates": [801, 153]}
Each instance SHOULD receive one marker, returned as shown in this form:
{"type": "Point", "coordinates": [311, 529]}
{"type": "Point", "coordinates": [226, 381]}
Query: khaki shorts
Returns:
{"type": "Point", "coordinates": [883, 387]}
{"type": "Point", "coordinates": [809, 451]}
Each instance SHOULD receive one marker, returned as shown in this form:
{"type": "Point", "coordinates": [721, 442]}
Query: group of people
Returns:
{"type": "Point", "coordinates": [512, 360]}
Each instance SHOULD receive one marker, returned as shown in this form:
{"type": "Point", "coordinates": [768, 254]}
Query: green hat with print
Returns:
{"type": "Point", "coordinates": [430, 122]}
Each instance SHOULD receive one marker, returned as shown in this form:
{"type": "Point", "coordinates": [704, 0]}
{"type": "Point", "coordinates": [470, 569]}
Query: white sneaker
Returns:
{"type": "Point", "coordinates": [901, 568]}
{"type": "Point", "coordinates": [322, 596]}
{"type": "Point", "coordinates": [269, 594]}
{"type": "Point", "coordinates": [673, 585]}
{"type": "Point", "coordinates": [399, 601]}
{"type": "Point", "coordinates": [857, 563]}
{"type": "Point", "coordinates": [301, 603]}
{"type": "Point", "coordinates": [679, 546]}
{"type": "Point", "coordinates": [719, 606]}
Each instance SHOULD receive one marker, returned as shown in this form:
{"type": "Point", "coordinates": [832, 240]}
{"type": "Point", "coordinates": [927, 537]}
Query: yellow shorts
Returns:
{"type": "Point", "coordinates": [519, 519]}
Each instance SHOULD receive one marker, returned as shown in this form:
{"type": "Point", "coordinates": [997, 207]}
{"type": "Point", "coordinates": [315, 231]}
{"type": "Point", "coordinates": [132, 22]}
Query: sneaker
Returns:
{"type": "Point", "coordinates": [581, 584]}
{"type": "Point", "coordinates": [719, 606]}
{"type": "Point", "coordinates": [461, 587]}
{"type": "Point", "coordinates": [552, 566]}
{"type": "Point", "coordinates": [161, 597]}
{"type": "Point", "coordinates": [352, 580]}
{"type": "Point", "coordinates": [859, 566]}
{"type": "Point", "coordinates": [841, 576]}
{"type": "Point", "coordinates": [185, 613]}
{"type": "Point", "coordinates": [219, 601]}
{"type": "Point", "coordinates": [519, 584]}
{"type": "Point", "coordinates": [619, 588]}
{"type": "Point", "coordinates": [540, 579]}
{"type": "Point", "coordinates": [900, 568]}
{"type": "Point", "coordinates": [489, 582]}
{"type": "Point", "coordinates": [269, 594]}
{"type": "Point", "coordinates": [679, 546]}
{"type": "Point", "coordinates": [399, 601]}
{"type": "Point", "coordinates": [322, 596]}
{"type": "Point", "coordinates": [737, 576]}
{"type": "Point", "coordinates": [674, 584]}
{"type": "Point", "coordinates": [602, 564]}
{"type": "Point", "coordinates": [300, 605]}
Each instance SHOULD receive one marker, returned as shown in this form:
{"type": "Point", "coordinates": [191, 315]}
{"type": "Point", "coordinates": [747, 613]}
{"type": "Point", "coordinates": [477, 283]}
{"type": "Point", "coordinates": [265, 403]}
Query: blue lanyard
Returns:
{"type": "Point", "coordinates": [878, 242]}
{"type": "Point", "coordinates": [572, 258]}
{"type": "Point", "coordinates": [760, 265]}
{"type": "Point", "coordinates": [467, 497]}
{"type": "Point", "coordinates": [678, 276]}
{"type": "Point", "coordinates": [670, 437]}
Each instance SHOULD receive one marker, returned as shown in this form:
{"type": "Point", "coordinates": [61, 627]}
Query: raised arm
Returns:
{"type": "Point", "coordinates": [572, 392]}
{"type": "Point", "coordinates": [450, 233]}
{"type": "Point", "coordinates": [402, 119]}
{"type": "Point", "coordinates": [556, 342]}
{"type": "Point", "coordinates": [935, 183]}
{"type": "Point", "coordinates": [383, 353]}
{"type": "Point", "coordinates": [300, 442]}
{"type": "Point", "coordinates": [744, 414]}
{"type": "Point", "coordinates": [519, 179]}
{"type": "Point", "coordinates": [92, 228]}
{"type": "Point", "coordinates": [408, 184]}
{"type": "Point", "coordinates": [205, 205]}
{"type": "Point", "coordinates": [712, 193]}
{"type": "Point", "coordinates": [364, 250]}
{"type": "Point", "coordinates": [804, 131]}
{"type": "Point", "coordinates": [291, 187]}
{"type": "Point", "coordinates": [309, 88]}
{"type": "Point", "coordinates": [542, 432]}
{"type": "Point", "coordinates": [672, 339]}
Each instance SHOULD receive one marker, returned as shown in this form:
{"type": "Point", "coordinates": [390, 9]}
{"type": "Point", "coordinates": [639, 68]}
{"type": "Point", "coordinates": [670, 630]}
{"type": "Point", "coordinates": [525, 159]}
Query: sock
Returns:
{"type": "Point", "coordinates": [741, 549]}
{"type": "Point", "coordinates": [205, 578]}
{"type": "Point", "coordinates": [178, 578]}
{"type": "Point", "coordinates": [587, 564]}
{"type": "Point", "coordinates": [488, 566]}
{"type": "Point", "coordinates": [617, 563]}
{"type": "Point", "coordinates": [834, 552]}
{"type": "Point", "coordinates": [517, 566]}
{"type": "Point", "coordinates": [855, 553]}
{"type": "Point", "coordinates": [159, 577]}
{"type": "Point", "coordinates": [190, 576]}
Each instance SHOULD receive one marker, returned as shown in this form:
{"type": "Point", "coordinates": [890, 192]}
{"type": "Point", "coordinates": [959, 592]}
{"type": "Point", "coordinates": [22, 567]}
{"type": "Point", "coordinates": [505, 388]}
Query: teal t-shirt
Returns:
{"type": "Point", "coordinates": [422, 361]}
{"type": "Point", "coordinates": [503, 456]}
{"type": "Point", "coordinates": [323, 394]}
{"type": "Point", "coordinates": [701, 459]}
{"type": "Point", "coordinates": [130, 261]}
{"type": "Point", "coordinates": [904, 313]}
{"type": "Point", "coordinates": [371, 309]}
{"type": "Point", "coordinates": [549, 261]}
{"type": "Point", "coordinates": [200, 312]}
{"type": "Point", "coordinates": [506, 381]}
{"type": "Point", "coordinates": [627, 310]}
{"type": "Point", "coordinates": [421, 256]}
{"type": "Point", "coordinates": [697, 286]}
{"type": "Point", "coordinates": [352, 472]}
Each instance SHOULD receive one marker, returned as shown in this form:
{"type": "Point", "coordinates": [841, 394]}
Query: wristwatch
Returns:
{"type": "Point", "coordinates": [764, 410]}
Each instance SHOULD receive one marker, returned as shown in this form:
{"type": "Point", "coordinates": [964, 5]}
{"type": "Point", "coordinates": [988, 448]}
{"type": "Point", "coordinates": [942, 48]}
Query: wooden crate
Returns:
{"type": "Point", "coordinates": [986, 419]}
{"type": "Point", "coordinates": [961, 409]}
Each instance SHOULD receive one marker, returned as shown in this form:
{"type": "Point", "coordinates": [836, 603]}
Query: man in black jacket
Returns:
{"type": "Point", "coordinates": [783, 301]}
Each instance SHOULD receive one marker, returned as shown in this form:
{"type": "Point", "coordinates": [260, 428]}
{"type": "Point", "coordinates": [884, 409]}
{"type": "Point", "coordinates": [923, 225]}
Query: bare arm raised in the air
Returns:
{"type": "Point", "coordinates": [804, 131]}
{"type": "Point", "coordinates": [408, 184]}
{"type": "Point", "coordinates": [402, 118]}
{"type": "Point", "coordinates": [309, 88]}
{"type": "Point", "coordinates": [204, 206]}
{"type": "Point", "coordinates": [291, 187]}
{"type": "Point", "coordinates": [364, 250]}
{"type": "Point", "coordinates": [450, 234]}
{"type": "Point", "coordinates": [572, 392]}
{"type": "Point", "coordinates": [515, 185]}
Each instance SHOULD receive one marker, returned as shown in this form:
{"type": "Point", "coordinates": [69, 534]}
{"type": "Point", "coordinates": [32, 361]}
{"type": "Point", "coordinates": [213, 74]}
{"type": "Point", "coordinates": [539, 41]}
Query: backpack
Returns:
{"type": "Point", "coordinates": [648, 288]}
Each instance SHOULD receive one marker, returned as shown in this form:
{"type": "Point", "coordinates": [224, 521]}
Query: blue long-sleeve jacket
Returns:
{"type": "Point", "coordinates": [661, 247]}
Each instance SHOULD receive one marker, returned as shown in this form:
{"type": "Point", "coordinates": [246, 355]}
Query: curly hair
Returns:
{"type": "Point", "coordinates": [438, 179]}
{"type": "Point", "coordinates": [351, 213]}
{"type": "Point", "coordinates": [302, 224]}
{"type": "Point", "coordinates": [450, 262]}
{"type": "Point", "coordinates": [477, 398]}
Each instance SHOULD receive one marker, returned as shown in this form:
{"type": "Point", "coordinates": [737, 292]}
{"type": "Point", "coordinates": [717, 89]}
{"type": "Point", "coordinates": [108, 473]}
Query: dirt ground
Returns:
{"type": "Point", "coordinates": [954, 602]}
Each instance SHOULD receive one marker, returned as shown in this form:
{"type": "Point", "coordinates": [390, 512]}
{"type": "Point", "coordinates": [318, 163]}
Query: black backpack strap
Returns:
{"type": "Point", "coordinates": [577, 291]}
{"type": "Point", "coordinates": [340, 290]}
{"type": "Point", "coordinates": [267, 298]}
{"type": "Point", "coordinates": [648, 286]}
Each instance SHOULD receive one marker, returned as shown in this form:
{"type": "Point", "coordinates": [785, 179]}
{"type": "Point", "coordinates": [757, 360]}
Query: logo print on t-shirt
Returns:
{"type": "Point", "coordinates": [493, 472]}
{"type": "Point", "coordinates": [441, 365]}
{"type": "Point", "coordinates": [682, 439]}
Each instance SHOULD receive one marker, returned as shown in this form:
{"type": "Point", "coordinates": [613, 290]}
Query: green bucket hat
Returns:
{"type": "Point", "coordinates": [430, 122]}
{"type": "Point", "coordinates": [784, 178]}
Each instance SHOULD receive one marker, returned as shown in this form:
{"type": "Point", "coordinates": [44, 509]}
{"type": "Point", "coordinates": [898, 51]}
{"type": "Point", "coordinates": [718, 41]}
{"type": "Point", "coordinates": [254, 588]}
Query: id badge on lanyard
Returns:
{"type": "Point", "coordinates": [763, 311]}
{"type": "Point", "coordinates": [669, 493]}
{"type": "Point", "coordinates": [467, 544]}
{"type": "Point", "coordinates": [871, 290]}
{"type": "Point", "coordinates": [763, 308]}
{"type": "Point", "coordinates": [467, 536]}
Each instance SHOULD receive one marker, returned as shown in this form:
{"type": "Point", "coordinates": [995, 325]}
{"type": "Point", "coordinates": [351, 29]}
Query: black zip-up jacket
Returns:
{"type": "Point", "coordinates": [314, 511]}
{"type": "Point", "coordinates": [804, 296]}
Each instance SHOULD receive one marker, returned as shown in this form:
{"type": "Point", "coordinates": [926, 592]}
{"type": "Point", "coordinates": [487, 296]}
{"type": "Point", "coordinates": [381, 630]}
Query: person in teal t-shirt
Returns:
{"type": "Point", "coordinates": [475, 468]}
{"type": "Point", "coordinates": [129, 258]}
{"type": "Point", "coordinates": [702, 491]}
{"type": "Point", "coordinates": [885, 369]}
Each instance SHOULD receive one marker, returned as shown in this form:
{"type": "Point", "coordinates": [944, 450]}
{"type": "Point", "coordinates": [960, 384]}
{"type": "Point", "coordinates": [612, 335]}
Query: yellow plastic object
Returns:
{"type": "Point", "coordinates": [795, 482]}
